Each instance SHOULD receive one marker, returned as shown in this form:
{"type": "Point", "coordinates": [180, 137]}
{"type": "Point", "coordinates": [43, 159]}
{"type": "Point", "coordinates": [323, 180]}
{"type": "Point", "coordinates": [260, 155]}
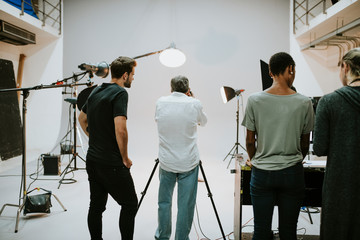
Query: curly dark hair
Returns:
{"type": "Point", "coordinates": [279, 62]}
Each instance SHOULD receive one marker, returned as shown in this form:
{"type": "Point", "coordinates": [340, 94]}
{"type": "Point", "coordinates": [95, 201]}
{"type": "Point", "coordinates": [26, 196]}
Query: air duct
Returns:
{"type": "Point", "coordinates": [12, 34]}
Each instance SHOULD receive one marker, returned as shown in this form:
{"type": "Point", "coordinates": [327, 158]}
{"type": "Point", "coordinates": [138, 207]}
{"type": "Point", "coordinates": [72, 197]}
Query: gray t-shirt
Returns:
{"type": "Point", "coordinates": [279, 121]}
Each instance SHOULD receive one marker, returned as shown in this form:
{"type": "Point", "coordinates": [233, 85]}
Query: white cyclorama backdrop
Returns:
{"type": "Point", "coordinates": [223, 41]}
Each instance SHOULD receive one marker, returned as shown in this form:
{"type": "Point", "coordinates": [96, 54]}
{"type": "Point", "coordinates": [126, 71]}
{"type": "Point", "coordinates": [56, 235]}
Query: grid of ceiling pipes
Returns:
{"type": "Point", "coordinates": [306, 10]}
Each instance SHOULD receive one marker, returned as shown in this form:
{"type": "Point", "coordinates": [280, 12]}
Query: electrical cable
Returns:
{"type": "Point", "coordinates": [230, 235]}
{"type": "Point", "coordinates": [41, 157]}
{"type": "Point", "coordinates": [21, 184]}
{"type": "Point", "coordinates": [37, 172]}
{"type": "Point", "coordinates": [197, 234]}
{"type": "Point", "coordinates": [225, 236]}
{"type": "Point", "coordinates": [198, 219]}
{"type": "Point", "coordinates": [197, 214]}
{"type": "Point", "coordinates": [302, 229]}
{"type": "Point", "coordinates": [39, 169]}
{"type": "Point", "coordinates": [245, 224]}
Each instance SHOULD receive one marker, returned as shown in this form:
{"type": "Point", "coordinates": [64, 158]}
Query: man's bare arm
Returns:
{"type": "Point", "coordinates": [250, 143]}
{"type": "Point", "coordinates": [304, 144]}
{"type": "Point", "coordinates": [122, 139]}
{"type": "Point", "coordinates": [83, 122]}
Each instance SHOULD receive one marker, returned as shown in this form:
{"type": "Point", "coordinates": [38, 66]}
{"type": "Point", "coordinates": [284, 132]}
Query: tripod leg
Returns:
{"type": "Point", "coordinates": [8, 204]}
{"type": "Point", "coordinates": [148, 183]}
{"type": "Point", "coordinates": [59, 202]}
{"type": "Point", "coordinates": [80, 158]}
{"type": "Point", "coordinates": [230, 152]}
{"type": "Point", "coordinates": [18, 217]}
{"type": "Point", "coordinates": [233, 155]}
{"type": "Point", "coordinates": [66, 172]}
{"type": "Point", "coordinates": [309, 214]}
{"type": "Point", "coordinates": [20, 207]}
{"type": "Point", "coordinates": [212, 201]}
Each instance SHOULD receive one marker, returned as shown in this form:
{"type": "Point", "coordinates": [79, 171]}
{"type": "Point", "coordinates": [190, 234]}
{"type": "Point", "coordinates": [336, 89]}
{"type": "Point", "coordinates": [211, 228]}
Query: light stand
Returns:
{"type": "Point", "coordinates": [25, 94]}
{"type": "Point", "coordinates": [75, 154]}
{"type": "Point", "coordinates": [207, 187]}
{"type": "Point", "coordinates": [169, 57]}
{"type": "Point", "coordinates": [101, 70]}
{"type": "Point", "coordinates": [23, 193]}
{"type": "Point", "coordinates": [23, 190]}
{"type": "Point", "coordinates": [227, 94]}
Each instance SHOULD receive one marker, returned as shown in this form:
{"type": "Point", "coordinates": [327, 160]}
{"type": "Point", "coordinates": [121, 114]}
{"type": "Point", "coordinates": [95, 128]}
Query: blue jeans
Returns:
{"type": "Point", "coordinates": [117, 182]}
{"type": "Point", "coordinates": [187, 189]}
{"type": "Point", "coordinates": [285, 188]}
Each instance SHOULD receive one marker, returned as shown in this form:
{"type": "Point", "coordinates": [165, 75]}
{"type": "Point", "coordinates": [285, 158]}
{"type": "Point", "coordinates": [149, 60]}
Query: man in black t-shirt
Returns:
{"type": "Point", "coordinates": [103, 118]}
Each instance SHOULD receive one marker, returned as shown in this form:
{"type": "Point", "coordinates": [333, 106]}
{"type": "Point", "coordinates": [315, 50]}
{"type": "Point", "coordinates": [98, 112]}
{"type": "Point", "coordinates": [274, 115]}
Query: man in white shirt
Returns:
{"type": "Point", "coordinates": [177, 117]}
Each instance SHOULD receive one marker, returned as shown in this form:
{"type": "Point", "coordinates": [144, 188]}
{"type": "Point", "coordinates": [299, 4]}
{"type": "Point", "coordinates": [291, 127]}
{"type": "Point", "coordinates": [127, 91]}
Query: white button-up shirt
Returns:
{"type": "Point", "coordinates": [177, 117]}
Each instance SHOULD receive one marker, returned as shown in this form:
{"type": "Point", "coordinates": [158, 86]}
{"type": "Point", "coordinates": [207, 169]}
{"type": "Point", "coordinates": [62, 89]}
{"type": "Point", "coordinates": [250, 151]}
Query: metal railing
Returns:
{"type": "Point", "coordinates": [49, 12]}
{"type": "Point", "coordinates": [305, 10]}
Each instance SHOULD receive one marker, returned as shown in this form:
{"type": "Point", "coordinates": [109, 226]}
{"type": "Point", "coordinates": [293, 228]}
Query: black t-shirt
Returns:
{"type": "Point", "coordinates": [104, 104]}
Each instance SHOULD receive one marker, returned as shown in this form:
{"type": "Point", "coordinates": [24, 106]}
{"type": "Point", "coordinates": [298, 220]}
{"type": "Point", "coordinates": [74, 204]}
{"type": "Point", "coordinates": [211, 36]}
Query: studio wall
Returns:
{"type": "Point", "coordinates": [317, 71]}
{"type": "Point", "coordinates": [43, 65]}
{"type": "Point", "coordinates": [223, 40]}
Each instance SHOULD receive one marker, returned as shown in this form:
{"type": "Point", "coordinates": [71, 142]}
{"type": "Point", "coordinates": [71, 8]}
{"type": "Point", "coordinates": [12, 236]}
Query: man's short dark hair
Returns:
{"type": "Point", "coordinates": [279, 62]}
{"type": "Point", "coordinates": [122, 65]}
{"type": "Point", "coordinates": [180, 84]}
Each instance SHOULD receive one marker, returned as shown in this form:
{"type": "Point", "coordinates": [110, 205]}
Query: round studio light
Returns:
{"type": "Point", "coordinates": [172, 57]}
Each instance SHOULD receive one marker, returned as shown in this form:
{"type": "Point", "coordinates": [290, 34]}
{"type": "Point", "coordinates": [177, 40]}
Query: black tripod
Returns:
{"type": "Point", "coordinates": [69, 168]}
{"type": "Point", "coordinates": [207, 187]}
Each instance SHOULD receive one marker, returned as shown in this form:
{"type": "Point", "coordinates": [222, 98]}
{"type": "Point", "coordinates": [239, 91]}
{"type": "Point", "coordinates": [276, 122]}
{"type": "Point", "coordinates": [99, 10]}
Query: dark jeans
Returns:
{"type": "Point", "coordinates": [117, 182]}
{"type": "Point", "coordinates": [285, 188]}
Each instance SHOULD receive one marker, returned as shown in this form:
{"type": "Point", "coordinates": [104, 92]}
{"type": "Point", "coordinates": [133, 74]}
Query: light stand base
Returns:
{"type": "Point", "coordinates": [75, 154]}
{"type": "Point", "coordinates": [69, 169]}
{"type": "Point", "coordinates": [21, 207]}
{"type": "Point", "coordinates": [234, 150]}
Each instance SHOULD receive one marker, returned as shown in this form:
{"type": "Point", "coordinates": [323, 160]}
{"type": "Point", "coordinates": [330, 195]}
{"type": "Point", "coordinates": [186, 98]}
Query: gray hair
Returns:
{"type": "Point", "coordinates": [352, 58]}
{"type": "Point", "coordinates": [180, 84]}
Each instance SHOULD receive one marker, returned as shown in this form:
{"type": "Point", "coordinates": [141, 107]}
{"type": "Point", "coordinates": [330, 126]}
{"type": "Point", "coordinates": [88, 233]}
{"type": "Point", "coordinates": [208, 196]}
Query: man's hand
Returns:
{"type": "Point", "coordinates": [189, 93]}
{"type": "Point", "coordinates": [127, 162]}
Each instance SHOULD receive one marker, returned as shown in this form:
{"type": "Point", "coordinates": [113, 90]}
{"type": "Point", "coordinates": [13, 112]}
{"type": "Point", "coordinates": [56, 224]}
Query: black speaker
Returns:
{"type": "Point", "coordinates": [51, 165]}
